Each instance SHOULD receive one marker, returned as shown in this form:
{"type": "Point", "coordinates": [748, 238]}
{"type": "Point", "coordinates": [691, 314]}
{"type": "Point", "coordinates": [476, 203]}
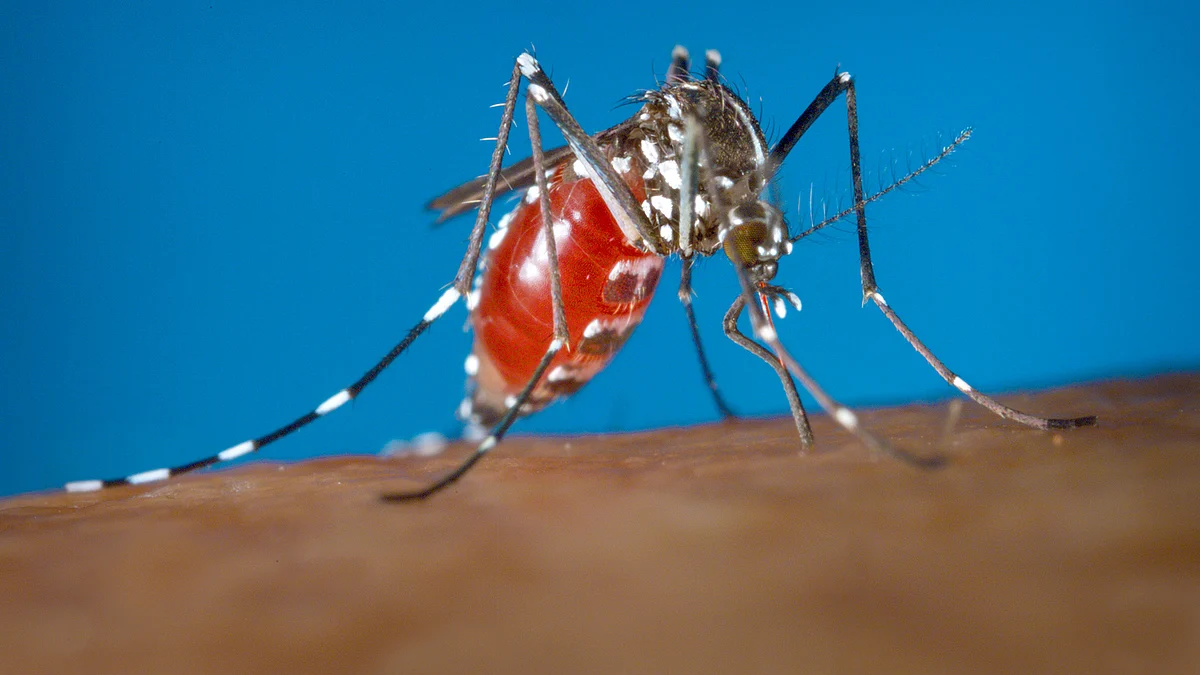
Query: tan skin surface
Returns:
{"type": "Point", "coordinates": [709, 549]}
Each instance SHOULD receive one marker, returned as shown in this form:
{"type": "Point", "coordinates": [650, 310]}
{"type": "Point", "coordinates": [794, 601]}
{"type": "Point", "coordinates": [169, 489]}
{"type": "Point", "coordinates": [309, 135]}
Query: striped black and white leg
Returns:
{"type": "Point", "coordinates": [539, 93]}
{"type": "Point", "coordinates": [960, 384]}
{"type": "Point", "coordinates": [445, 302]}
{"type": "Point", "coordinates": [871, 292]}
{"type": "Point", "coordinates": [616, 194]}
{"type": "Point", "coordinates": [496, 435]}
{"type": "Point", "coordinates": [461, 286]}
{"type": "Point", "coordinates": [843, 84]}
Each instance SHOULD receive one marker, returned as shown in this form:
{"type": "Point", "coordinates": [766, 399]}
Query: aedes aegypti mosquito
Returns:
{"type": "Point", "coordinates": [568, 274]}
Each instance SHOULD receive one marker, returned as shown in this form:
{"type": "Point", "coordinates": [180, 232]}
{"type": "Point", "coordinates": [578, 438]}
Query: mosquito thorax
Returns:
{"type": "Point", "coordinates": [734, 150]}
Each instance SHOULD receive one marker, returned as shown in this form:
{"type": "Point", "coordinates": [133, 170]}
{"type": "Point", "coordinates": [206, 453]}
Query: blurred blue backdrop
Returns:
{"type": "Point", "coordinates": [211, 213]}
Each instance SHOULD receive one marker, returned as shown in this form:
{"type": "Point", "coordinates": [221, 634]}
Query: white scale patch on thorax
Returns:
{"type": "Point", "coordinates": [673, 108]}
{"type": "Point", "coordinates": [649, 151]}
{"type": "Point", "coordinates": [663, 205]}
{"type": "Point", "coordinates": [670, 173]}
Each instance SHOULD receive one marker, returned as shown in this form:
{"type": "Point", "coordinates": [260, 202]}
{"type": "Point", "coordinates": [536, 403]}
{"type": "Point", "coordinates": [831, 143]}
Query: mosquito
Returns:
{"type": "Point", "coordinates": [567, 275]}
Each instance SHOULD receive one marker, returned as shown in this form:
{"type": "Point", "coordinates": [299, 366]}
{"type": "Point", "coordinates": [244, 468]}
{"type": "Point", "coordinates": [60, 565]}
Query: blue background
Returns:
{"type": "Point", "coordinates": [211, 213]}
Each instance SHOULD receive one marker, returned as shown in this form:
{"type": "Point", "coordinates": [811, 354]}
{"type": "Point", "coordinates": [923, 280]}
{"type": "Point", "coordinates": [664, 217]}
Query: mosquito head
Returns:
{"type": "Point", "coordinates": [755, 237]}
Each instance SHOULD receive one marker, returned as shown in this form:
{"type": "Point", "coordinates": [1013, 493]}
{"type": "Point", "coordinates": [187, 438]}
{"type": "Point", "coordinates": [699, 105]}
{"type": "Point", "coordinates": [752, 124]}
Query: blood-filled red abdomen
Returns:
{"type": "Point", "coordinates": [606, 285]}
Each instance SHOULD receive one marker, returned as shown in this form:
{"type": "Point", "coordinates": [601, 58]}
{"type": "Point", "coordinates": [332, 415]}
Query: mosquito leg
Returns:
{"type": "Point", "coordinates": [789, 387]}
{"type": "Point", "coordinates": [871, 292]}
{"type": "Point", "coordinates": [330, 404]}
{"type": "Point", "coordinates": [449, 297]}
{"type": "Point", "coordinates": [685, 297]}
{"type": "Point", "coordinates": [612, 188]}
{"type": "Point", "coordinates": [539, 170]}
{"type": "Point", "coordinates": [689, 190]}
{"type": "Point", "coordinates": [961, 384]}
{"type": "Point", "coordinates": [842, 83]}
{"type": "Point", "coordinates": [864, 247]}
{"type": "Point", "coordinates": [510, 416]}
{"type": "Point", "coordinates": [740, 239]}
{"type": "Point", "coordinates": [840, 413]}
{"type": "Point", "coordinates": [561, 337]}
{"type": "Point", "coordinates": [824, 98]}
{"type": "Point", "coordinates": [849, 420]}
{"type": "Point", "coordinates": [466, 270]}
{"type": "Point", "coordinates": [689, 186]}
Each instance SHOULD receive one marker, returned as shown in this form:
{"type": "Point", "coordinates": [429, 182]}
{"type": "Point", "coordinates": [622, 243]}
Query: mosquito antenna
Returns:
{"type": "Point", "coordinates": [962, 137]}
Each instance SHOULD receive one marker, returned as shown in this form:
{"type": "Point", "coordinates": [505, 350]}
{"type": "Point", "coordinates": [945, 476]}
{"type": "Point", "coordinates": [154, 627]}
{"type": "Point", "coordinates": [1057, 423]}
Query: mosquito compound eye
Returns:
{"type": "Point", "coordinates": [755, 234]}
{"type": "Point", "coordinates": [743, 240]}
